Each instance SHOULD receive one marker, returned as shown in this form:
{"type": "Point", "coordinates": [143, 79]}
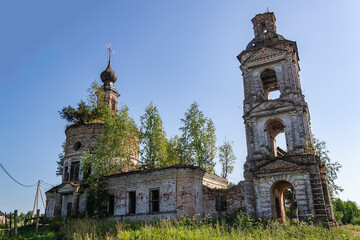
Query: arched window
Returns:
{"type": "Point", "coordinates": [263, 27]}
{"type": "Point", "coordinates": [270, 84]}
{"type": "Point", "coordinates": [275, 130]}
{"type": "Point", "coordinates": [113, 105]}
{"type": "Point", "coordinates": [283, 201]}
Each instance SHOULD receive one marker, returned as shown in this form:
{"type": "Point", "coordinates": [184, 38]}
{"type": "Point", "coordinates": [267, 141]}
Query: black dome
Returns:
{"type": "Point", "coordinates": [108, 75]}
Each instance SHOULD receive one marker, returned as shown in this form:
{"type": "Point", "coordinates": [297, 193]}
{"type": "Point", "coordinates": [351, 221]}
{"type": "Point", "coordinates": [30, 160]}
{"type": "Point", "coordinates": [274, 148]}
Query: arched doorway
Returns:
{"type": "Point", "coordinates": [283, 201]}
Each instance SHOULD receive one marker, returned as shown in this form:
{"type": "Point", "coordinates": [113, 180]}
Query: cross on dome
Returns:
{"type": "Point", "coordinates": [108, 75]}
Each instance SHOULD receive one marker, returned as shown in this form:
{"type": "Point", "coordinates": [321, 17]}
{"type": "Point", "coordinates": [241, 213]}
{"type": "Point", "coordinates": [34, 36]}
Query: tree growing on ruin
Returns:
{"type": "Point", "coordinates": [114, 150]}
{"type": "Point", "coordinates": [332, 167]}
{"type": "Point", "coordinates": [89, 111]}
{"type": "Point", "coordinates": [198, 139]}
{"type": "Point", "coordinates": [226, 158]}
{"type": "Point", "coordinates": [153, 143]}
{"type": "Point", "coordinates": [113, 153]}
{"type": "Point", "coordinates": [60, 163]}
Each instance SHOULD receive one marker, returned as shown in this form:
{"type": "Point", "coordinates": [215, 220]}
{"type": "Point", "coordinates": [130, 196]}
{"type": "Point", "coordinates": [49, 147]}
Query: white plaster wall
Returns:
{"type": "Point", "coordinates": [65, 200]}
{"type": "Point", "coordinates": [262, 134]}
{"type": "Point", "coordinates": [301, 183]}
{"type": "Point", "coordinates": [142, 183]}
{"type": "Point", "coordinates": [82, 202]}
{"type": "Point", "coordinates": [50, 207]}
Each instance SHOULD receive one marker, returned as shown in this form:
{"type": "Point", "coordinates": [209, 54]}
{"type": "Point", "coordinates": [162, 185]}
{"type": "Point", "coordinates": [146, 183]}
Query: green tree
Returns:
{"type": "Point", "coordinates": [153, 139]}
{"type": "Point", "coordinates": [226, 158]}
{"type": "Point", "coordinates": [60, 163]}
{"type": "Point", "coordinates": [346, 212]}
{"type": "Point", "coordinates": [173, 151]}
{"type": "Point", "coordinates": [198, 139]}
{"type": "Point", "coordinates": [114, 152]}
{"type": "Point", "coordinates": [86, 112]}
{"type": "Point", "coordinates": [332, 167]}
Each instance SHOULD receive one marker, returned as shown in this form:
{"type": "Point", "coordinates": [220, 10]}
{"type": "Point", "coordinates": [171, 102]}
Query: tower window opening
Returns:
{"type": "Point", "coordinates": [113, 105]}
{"type": "Point", "coordinates": [74, 171]}
{"type": "Point", "coordinates": [270, 84]}
{"type": "Point", "coordinates": [77, 145]}
{"type": "Point", "coordinates": [280, 142]}
{"type": "Point", "coordinates": [66, 173]}
{"type": "Point", "coordinates": [263, 28]}
{"type": "Point", "coordinates": [275, 131]}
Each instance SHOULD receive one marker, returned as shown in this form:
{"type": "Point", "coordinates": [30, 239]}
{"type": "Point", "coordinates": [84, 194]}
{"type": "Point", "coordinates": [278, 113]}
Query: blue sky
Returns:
{"type": "Point", "coordinates": [171, 53]}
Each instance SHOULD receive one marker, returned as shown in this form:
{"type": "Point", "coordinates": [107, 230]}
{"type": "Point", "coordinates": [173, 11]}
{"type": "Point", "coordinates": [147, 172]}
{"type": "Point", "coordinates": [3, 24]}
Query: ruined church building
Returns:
{"type": "Point", "coordinates": [269, 65]}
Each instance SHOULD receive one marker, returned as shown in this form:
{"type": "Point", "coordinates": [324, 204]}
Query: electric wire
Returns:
{"type": "Point", "coordinates": [3, 168]}
{"type": "Point", "coordinates": [47, 183]}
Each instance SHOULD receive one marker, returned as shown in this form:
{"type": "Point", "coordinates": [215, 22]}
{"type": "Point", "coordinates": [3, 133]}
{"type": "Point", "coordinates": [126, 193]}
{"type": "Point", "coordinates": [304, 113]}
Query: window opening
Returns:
{"type": "Point", "coordinates": [74, 171]}
{"type": "Point", "coordinates": [66, 174]}
{"type": "Point", "coordinates": [274, 95]}
{"type": "Point", "coordinates": [275, 131]}
{"type": "Point", "coordinates": [113, 105]}
{"type": "Point", "coordinates": [270, 84]}
{"type": "Point", "coordinates": [111, 205]}
{"type": "Point", "coordinates": [77, 145]}
{"type": "Point", "coordinates": [154, 200]}
{"type": "Point", "coordinates": [263, 27]}
{"type": "Point", "coordinates": [281, 143]}
{"type": "Point", "coordinates": [220, 204]}
{"type": "Point", "coordinates": [132, 202]}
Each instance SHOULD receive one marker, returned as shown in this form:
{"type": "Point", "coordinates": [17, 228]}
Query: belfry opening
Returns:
{"type": "Point", "coordinates": [270, 84]}
{"type": "Point", "coordinates": [275, 131]}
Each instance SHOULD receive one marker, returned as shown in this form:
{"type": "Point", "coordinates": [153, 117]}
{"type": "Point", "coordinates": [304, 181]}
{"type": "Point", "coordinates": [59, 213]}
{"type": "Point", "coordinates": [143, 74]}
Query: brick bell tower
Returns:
{"type": "Point", "coordinates": [274, 106]}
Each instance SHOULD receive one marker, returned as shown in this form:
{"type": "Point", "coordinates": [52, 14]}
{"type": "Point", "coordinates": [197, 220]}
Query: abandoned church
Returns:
{"type": "Point", "coordinates": [269, 65]}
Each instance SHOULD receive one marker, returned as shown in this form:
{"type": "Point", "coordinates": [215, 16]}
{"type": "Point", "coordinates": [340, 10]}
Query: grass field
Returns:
{"type": "Point", "coordinates": [241, 227]}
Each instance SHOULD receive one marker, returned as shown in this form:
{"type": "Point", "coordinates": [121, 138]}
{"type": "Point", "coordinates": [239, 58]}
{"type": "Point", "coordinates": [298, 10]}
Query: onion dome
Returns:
{"type": "Point", "coordinates": [108, 75]}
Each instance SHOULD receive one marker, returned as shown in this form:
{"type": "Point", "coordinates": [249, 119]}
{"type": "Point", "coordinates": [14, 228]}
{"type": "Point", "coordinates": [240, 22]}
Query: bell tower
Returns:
{"type": "Point", "coordinates": [274, 105]}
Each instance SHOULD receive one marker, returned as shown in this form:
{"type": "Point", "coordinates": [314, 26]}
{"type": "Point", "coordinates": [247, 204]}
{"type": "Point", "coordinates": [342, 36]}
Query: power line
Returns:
{"type": "Point", "coordinates": [2, 167]}
{"type": "Point", "coordinates": [47, 183]}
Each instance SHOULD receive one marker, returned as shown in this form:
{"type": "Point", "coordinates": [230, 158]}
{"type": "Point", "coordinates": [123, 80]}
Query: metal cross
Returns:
{"type": "Point", "coordinates": [110, 51]}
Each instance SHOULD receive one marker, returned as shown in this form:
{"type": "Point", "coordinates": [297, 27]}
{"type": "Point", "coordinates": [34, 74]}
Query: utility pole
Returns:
{"type": "Point", "coordinates": [36, 202]}
{"type": "Point", "coordinates": [15, 222]}
{"type": "Point", "coordinates": [37, 221]}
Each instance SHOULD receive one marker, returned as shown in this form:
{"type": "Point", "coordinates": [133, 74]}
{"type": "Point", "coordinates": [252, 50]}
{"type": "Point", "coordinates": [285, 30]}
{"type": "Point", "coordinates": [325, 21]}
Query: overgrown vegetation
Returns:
{"type": "Point", "coordinates": [118, 147]}
{"type": "Point", "coordinates": [226, 158]}
{"type": "Point", "coordinates": [153, 142]}
{"type": "Point", "coordinates": [332, 167]}
{"type": "Point", "coordinates": [198, 139]}
{"type": "Point", "coordinates": [60, 162]}
{"type": "Point", "coordinates": [240, 227]}
{"type": "Point", "coordinates": [113, 153]}
{"type": "Point", "coordinates": [346, 212]}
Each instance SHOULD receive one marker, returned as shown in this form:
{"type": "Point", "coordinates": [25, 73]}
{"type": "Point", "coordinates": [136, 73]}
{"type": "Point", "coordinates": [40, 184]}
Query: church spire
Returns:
{"type": "Point", "coordinates": [108, 77]}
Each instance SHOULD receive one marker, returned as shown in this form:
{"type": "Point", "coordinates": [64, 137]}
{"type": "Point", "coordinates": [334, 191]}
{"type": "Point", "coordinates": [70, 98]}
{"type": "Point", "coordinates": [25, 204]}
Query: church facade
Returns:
{"type": "Point", "coordinates": [274, 106]}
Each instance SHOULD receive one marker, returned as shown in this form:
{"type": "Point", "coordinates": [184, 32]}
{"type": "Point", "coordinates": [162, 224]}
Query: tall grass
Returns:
{"type": "Point", "coordinates": [241, 227]}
